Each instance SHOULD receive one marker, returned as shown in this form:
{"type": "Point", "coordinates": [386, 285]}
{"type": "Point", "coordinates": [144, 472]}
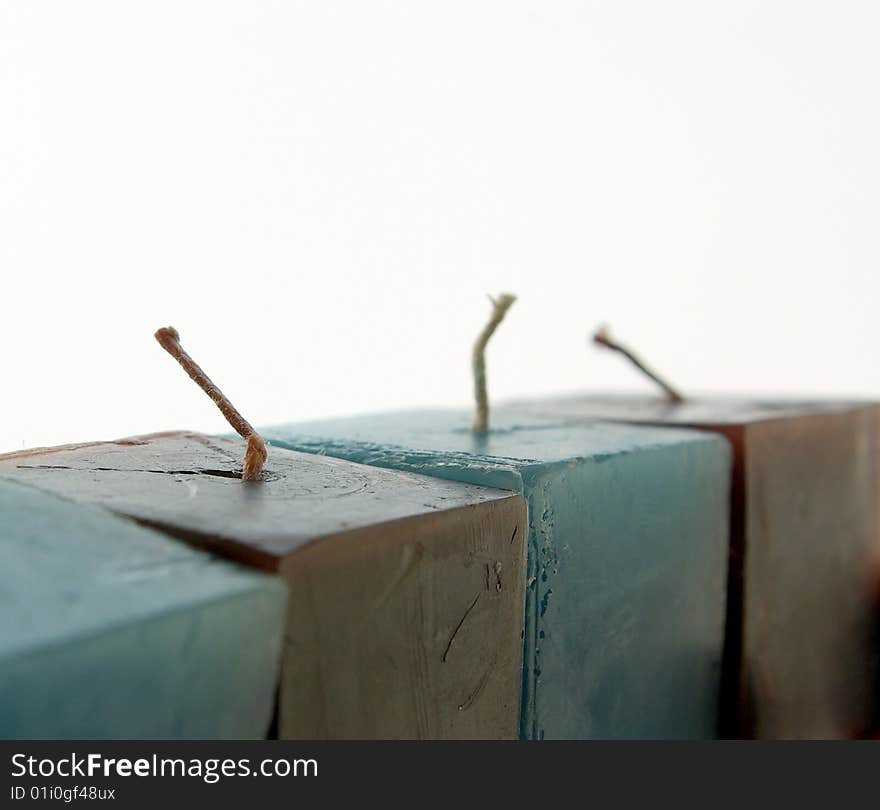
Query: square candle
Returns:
{"type": "Point", "coordinates": [406, 598]}
{"type": "Point", "coordinates": [109, 630]}
{"type": "Point", "coordinates": [804, 549]}
{"type": "Point", "coordinates": [627, 558]}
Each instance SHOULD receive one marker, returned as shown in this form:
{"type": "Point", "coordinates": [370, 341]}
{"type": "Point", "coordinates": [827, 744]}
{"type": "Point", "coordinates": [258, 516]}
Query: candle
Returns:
{"type": "Point", "coordinates": [803, 547]}
{"type": "Point", "coordinates": [111, 630]}
{"type": "Point", "coordinates": [406, 592]}
{"type": "Point", "coordinates": [627, 558]}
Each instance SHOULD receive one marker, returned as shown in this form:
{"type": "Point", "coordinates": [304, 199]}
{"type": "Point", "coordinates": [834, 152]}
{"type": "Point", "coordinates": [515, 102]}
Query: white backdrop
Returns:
{"type": "Point", "coordinates": [319, 196]}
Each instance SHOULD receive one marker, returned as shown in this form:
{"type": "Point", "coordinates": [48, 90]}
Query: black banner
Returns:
{"type": "Point", "coordinates": [145, 774]}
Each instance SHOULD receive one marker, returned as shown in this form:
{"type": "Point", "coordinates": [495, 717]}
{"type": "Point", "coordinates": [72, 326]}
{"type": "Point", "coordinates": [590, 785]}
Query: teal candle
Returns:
{"type": "Point", "coordinates": [627, 558]}
{"type": "Point", "coordinates": [109, 630]}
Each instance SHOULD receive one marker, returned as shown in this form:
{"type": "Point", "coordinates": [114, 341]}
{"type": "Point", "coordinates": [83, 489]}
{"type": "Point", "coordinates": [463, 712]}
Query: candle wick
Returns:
{"type": "Point", "coordinates": [500, 306]}
{"type": "Point", "coordinates": [602, 337]}
{"type": "Point", "coordinates": [255, 455]}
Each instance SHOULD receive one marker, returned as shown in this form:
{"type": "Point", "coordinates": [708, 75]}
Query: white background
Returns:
{"type": "Point", "coordinates": [320, 195]}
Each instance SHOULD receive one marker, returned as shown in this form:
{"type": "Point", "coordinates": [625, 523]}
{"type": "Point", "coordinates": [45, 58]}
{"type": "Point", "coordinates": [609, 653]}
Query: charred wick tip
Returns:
{"type": "Point", "coordinates": [256, 453]}
{"type": "Point", "coordinates": [602, 337]}
{"type": "Point", "coordinates": [167, 333]}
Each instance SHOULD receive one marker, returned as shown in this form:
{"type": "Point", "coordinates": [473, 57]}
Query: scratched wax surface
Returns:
{"type": "Point", "coordinates": [627, 557]}
{"type": "Point", "coordinates": [193, 482]}
{"type": "Point", "coordinates": [109, 630]}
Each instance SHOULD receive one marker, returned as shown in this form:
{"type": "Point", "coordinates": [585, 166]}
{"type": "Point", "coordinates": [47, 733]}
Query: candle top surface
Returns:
{"type": "Point", "coordinates": [655, 409]}
{"type": "Point", "coordinates": [190, 485]}
{"type": "Point", "coordinates": [71, 570]}
{"type": "Point", "coordinates": [434, 441]}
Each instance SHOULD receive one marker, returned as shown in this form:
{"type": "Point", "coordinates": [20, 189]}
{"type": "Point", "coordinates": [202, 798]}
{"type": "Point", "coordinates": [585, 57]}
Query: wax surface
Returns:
{"type": "Point", "coordinates": [627, 558]}
{"type": "Point", "coordinates": [190, 485]}
{"type": "Point", "coordinates": [801, 657]}
{"type": "Point", "coordinates": [109, 630]}
{"type": "Point", "coordinates": [660, 411]}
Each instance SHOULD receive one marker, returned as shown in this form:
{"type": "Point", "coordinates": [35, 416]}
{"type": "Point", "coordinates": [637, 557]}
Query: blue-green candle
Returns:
{"type": "Point", "coordinates": [627, 558]}
{"type": "Point", "coordinates": [109, 630]}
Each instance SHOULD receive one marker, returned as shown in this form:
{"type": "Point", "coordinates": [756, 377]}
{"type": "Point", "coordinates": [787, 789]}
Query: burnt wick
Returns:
{"type": "Point", "coordinates": [602, 337]}
{"type": "Point", "coordinates": [255, 455]}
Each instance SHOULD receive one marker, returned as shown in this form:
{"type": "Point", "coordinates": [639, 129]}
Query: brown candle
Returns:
{"type": "Point", "coordinates": [804, 543]}
{"type": "Point", "coordinates": [406, 592]}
